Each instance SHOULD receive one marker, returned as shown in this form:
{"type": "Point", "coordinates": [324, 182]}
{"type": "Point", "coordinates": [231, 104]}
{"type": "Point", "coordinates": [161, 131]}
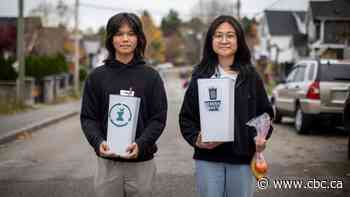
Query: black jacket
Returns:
{"type": "Point", "coordinates": [110, 79]}
{"type": "Point", "coordinates": [250, 101]}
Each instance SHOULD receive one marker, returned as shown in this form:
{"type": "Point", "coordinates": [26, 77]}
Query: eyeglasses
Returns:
{"type": "Point", "coordinates": [128, 34]}
{"type": "Point", "coordinates": [224, 36]}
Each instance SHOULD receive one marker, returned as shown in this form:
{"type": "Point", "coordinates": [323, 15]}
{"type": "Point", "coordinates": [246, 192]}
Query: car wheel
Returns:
{"type": "Point", "coordinates": [302, 121]}
{"type": "Point", "coordinates": [277, 116]}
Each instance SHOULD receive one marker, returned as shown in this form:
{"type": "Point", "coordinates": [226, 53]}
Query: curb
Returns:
{"type": "Point", "coordinates": [35, 126]}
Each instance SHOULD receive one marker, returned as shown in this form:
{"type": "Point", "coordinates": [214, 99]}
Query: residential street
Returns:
{"type": "Point", "coordinates": [57, 160]}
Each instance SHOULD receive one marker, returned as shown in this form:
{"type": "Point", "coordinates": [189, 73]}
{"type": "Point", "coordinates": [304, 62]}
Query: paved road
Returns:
{"type": "Point", "coordinates": [57, 160]}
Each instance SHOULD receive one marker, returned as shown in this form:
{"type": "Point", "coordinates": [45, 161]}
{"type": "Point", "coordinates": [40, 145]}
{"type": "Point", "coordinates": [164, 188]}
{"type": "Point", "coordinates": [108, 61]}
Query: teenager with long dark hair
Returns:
{"type": "Point", "coordinates": [222, 168]}
{"type": "Point", "coordinates": [124, 69]}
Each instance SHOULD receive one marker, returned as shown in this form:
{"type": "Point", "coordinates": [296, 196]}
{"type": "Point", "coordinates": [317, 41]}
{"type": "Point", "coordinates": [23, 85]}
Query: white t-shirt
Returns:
{"type": "Point", "coordinates": [224, 74]}
{"type": "Point", "coordinates": [221, 73]}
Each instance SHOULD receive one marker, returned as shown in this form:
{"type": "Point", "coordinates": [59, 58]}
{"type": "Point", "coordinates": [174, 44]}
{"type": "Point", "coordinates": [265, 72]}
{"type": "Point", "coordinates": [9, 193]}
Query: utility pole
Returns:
{"type": "Point", "coordinates": [238, 9]}
{"type": "Point", "coordinates": [76, 57]}
{"type": "Point", "coordinates": [20, 54]}
{"type": "Point", "coordinates": [200, 35]}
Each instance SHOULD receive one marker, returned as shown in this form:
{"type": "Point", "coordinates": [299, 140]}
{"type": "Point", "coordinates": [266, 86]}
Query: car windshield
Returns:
{"type": "Point", "coordinates": [335, 72]}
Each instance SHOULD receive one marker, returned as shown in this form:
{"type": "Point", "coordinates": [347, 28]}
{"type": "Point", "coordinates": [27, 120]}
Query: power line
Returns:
{"type": "Point", "coordinates": [118, 9]}
{"type": "Point", "coordinates": [100, 7]}
{"type": "Point", "coordinates": [267, 7]}
{"type": "Point", "coordinates": [272, 4]}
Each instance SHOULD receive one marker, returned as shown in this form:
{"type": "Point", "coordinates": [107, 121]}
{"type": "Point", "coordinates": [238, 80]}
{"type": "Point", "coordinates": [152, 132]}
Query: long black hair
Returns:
{"type": "Point", "coordinates": [113, 25]}
{"type": "Point", "coordinates": [210, 60]}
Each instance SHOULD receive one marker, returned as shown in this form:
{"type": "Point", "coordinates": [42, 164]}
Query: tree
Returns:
{"type": "Point", "coordinates": [155, 49]}
{"type": "Point", "coordinates": [89, 31]}
{"type": "Point", "coordinates": [175, 49]}
{"type": "Point", "coordinates": [207, 10]}
{"type": "Point", "coordinates": [43, 10]}
{"type": "Point", "coordinates": [64, 13]}
{"type": "Point", "coordinates": [250, 27]}
{"type": "Point", "coordinates": [102, 34]}
{"type": "Point", "coordinates": [7, 38]}
{"type": "Point", "coordinates": [50, 14]}
{"type": "Point", "coordinates": [171, 23]}
{"type": "Point", "coordinates": [193, 34]}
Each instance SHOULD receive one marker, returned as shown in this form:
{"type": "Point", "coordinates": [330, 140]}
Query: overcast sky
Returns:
{"type": "Point", "coordinates": [92, 17]}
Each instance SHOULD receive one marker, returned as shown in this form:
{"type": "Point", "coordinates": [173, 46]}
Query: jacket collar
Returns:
{"type": "Point", "coordinates": [117, 64]}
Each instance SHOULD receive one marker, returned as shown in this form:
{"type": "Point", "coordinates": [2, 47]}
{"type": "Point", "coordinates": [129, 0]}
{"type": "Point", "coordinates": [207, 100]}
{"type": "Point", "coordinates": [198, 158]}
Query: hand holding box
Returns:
{"type": "Point", "coordinates": [216, 107]}
{"type": "Point", "coordinates": [122, 123]}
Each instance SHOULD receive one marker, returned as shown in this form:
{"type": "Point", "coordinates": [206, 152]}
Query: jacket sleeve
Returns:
{"type": "Point", "coordinates": [158, 116]}
{"type": "Point", "coordinates": [90, 123]}
{"type": "Point", "coordinates": [263, 105]}
{"type": "Point", "coordinates": [189, 114]}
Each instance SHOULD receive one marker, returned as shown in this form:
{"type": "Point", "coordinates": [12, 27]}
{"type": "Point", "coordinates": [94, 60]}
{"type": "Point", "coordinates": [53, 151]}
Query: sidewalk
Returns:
{"type": "Point", "coordinates": [12, 125]}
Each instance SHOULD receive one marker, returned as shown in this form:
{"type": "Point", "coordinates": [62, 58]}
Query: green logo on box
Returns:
{"type": "Point", "coordinates": [120, 115]}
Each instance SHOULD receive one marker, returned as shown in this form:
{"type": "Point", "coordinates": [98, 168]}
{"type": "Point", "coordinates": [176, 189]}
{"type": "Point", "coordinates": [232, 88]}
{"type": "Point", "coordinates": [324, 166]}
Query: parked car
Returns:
{"type": "Point", "coordinates": [347, 120]}
{"type": "Point", "coordinates": [314, 92]}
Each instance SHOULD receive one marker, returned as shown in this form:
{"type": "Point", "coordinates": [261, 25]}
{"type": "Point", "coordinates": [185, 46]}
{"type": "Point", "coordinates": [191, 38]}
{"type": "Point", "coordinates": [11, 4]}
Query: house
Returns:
{"type": "Point", "coordinates": [8, 33]}
{"type": "Point", "coordinates": [50, 41]}
{"type": "Point", "coordinates": [328, 28]}
{"type": "Point", "coordinates": [38, 40]}
{"type": "Point", "coordinates": [282, 36]}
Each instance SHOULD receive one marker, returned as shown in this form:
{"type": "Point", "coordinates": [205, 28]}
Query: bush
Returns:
{"type": "Point", "coordinates": [42, 66]}
{"type": "Point", "coordinates": [82, 74]}
{"type": "Point", "coordinates": [7, 72]}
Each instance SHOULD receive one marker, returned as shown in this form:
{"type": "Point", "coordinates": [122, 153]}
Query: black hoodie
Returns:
{"type": "Point", "coordinates": [250, 101]}
{"type": "Point", "coordinates": [110, 79]}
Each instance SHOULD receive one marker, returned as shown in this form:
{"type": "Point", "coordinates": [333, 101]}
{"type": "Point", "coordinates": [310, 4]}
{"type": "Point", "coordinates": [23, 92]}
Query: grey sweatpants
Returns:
{"type": "Point", "coordinates": [124, 179]}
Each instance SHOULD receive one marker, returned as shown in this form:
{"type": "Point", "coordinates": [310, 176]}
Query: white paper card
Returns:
{"type": "Point", "coordinates": [122, 122]}
{"type": "Point", "coordinates": [127, 93]}
{"type": "Point", "coordinates": [216, 106]}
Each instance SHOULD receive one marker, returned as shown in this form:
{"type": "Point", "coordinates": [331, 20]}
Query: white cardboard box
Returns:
{"type": "Point", "coordinates": [122, 122]}
{"type": "Point", "coordinates": [216, 106]}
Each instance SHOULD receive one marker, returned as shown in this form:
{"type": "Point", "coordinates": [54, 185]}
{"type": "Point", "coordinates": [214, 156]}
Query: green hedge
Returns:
{"type": "Point", "coordinates": [82, 74]}
{"type": "Point", "coordinates": [7, 72]}
{"type": "Point", "coordinates": [36, 66]}
{"type": "Point", "coordinates": [42, 66]}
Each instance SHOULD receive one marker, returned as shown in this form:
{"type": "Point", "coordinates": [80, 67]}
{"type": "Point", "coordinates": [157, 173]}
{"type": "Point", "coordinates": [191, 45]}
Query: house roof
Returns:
{"type": "Point", "coordinates": [330, 9]}
{"type": "Point", "coordinates": [301, 15]}
{"type": "Point", "coordinates": [13, 20]}
{"type": "Point", "coordinates": [282, 23]}
{"type": "Point", "coordinates": [50, 41]}
{"type": "Point", "coordinates": [6, 20]}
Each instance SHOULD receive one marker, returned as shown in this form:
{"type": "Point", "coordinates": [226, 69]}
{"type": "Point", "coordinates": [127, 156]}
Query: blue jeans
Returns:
{"type": "Point", "coordinates": [215, 179]}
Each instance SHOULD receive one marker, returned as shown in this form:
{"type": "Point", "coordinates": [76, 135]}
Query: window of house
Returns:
{"type": "Point", "coordinates": [336, 32]}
